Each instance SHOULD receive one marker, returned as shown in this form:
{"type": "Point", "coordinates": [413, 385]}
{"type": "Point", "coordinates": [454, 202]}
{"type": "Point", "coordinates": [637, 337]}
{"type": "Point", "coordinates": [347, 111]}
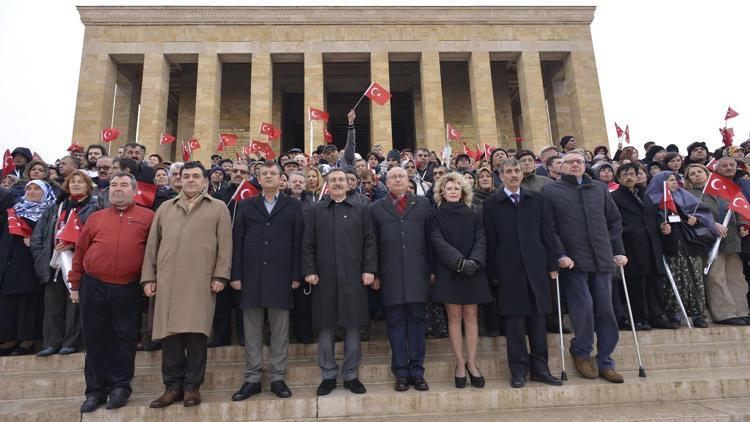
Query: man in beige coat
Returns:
{"type": "Point", "coordinates": [188, 260]}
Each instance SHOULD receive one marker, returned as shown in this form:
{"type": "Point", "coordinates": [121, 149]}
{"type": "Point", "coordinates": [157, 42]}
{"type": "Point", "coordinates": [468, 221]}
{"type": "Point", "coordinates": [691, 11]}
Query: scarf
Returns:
{"type": "Point", "coordinates": [32, 211]}
{"type": "Point", "coordinates": [686, 202]}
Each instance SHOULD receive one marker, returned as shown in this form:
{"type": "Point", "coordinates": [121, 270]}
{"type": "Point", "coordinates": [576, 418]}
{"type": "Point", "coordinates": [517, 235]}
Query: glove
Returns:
{"type": "Point", "coordinates": [469, 268]}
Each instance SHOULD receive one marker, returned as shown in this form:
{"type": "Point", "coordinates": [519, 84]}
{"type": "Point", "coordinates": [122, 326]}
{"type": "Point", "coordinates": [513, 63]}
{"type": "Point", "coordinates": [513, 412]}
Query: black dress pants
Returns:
{"type": "Point", "coordinates": [226, 300]}
{"type": "Point", "coordinates": [183, 360]}
{"type": "Point", "coordinates": [302, 315]}
{"type": "Point", "coordinates": [520, 360]}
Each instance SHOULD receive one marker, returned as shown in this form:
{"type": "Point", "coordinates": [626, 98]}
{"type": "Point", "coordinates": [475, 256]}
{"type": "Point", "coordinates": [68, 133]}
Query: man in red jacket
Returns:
{"type": "Point", "coordinates": [107, 270]}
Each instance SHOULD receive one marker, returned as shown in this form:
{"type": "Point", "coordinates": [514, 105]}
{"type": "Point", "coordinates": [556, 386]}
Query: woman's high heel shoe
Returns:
{"type": "Point", "coordinates": [477, 382]}
{"type": "Point", "coordinates": [460, 381]}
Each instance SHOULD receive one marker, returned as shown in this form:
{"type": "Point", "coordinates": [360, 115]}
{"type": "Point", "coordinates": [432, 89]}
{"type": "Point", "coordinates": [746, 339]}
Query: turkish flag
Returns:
{"type": "Point", "coordinates": [613, 186]}
{"type": "Point", "coordinates": [36, 156]}
{"type": "Point", "coordinates": [185, 152]}
{"type": "Point", "coordinates": [619, 130]}
{"type": "Point", "coordinates": [739, 205]}
{"type": "Point", "coordinates": [166, 139]}
{"type": "Point", "coordinates": [228, 139]}
{"type": "Point", "coordinates": [453, 133]}
{"type": "Point", "coordinates": [721, 186]}
{"type": "Point", "coordinates": [730, 114]}
{"type": "Point", "coordinates": [274, 135]}
{"type": "Point", "coordinates": [266, 128]}
{"type": "Point", "coordinates": [488, 151]}
{"type": "Point", "coordinates": [474, 155]}
{"type": "Point", "coordinates": [8, 164]}
{"type": "Point", "coordinates": [220, 147]}
{"type": "Point", "coordinates": [194, 144]}
{"type": "Point", "coordinates": [109, 135]}
{"type": "Point", "coordinates": [627, 134]}
{"type": "Point", "coordinates": [247, 149]}
{"type": "Point", "coordinates": [17, 225]}
{"type": "Point", "coordinates": [667, 202]}
{"type": "Point", "coordinates": [328, 136]}
{"type": "Point", "coordinates": [146, 194]}
{"type": "Point", "coordinates": [727, 135]}
{"type": "Point", "coordinates": [711, 165]}
{"type": "Point", "coordinates": [245, 190]}
{"type": "Point", "coordinates": [517, 139]}
{"type": "Point", "coordinates": [315, 114]}
{"type": "Point", "coordinates": [257, 147]}
{"type": "Point", "coordinates": [75, 146]}
{"type": "Point", "coordinates": [377, 93]}
{"type": "Point", "coordinates": [72, 228]}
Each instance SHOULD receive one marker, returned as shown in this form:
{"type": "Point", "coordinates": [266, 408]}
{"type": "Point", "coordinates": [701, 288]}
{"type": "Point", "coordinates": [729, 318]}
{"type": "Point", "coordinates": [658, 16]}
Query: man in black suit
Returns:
{"type": "Point", "coordinates": [521, 257]}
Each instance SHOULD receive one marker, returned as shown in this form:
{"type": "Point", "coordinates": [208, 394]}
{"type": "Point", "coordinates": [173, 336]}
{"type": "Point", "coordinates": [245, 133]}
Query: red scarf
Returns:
{"type": "Point", "coordinates": [399, 203]}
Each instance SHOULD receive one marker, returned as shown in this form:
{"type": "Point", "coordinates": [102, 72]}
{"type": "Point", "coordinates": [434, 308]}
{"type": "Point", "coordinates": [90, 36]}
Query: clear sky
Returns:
{"type": "Point", "coordinates": [669, 69]}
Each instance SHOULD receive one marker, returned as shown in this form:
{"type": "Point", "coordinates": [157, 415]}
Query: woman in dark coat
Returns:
{"type": "Point", "coordinates": [21, 304]}
{"type": "Point", "coordinates": [484, 188]}
{"type": "Point", "coordinates": [62, 325]}
{"type": "Point", "coordinates": [459, 245]}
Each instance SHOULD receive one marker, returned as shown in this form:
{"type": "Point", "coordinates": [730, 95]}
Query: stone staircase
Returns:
{"type": "Point", "coordinates": [700, 374]}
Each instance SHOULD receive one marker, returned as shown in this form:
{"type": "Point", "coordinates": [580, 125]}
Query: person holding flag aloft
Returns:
{"type": "Point", "coordinates": [680, 213]}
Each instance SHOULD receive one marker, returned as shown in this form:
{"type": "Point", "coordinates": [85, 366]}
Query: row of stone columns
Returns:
{"type": "Point", "coordinates": [98, 74]}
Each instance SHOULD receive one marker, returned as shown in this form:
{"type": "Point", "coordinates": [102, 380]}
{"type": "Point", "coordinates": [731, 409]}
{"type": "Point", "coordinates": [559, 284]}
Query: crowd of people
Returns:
{"type": "Point", "coordinates": [315, 248]}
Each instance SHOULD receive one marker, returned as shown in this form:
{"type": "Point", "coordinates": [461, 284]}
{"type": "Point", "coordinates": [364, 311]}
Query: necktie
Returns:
{"type": "Point", "coordinates": [515, 198]}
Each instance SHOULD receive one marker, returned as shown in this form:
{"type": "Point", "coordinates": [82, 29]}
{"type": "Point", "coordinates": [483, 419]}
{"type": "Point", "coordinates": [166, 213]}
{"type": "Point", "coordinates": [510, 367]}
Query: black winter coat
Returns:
{"type": "Point", "coordinates": [641, 235]}
{"type": "Point", "coordinates": [16, 262]}
{"type": "Point", "coordinates": [456, 233]}
{"type": "Point", "coordinates": [267, 251]}
{"type": "Point", "coordinates": [588, 226]}
{"type": "Point", "coordinates": [403, 249]}
{"type": "Point", "coordinates": [521, 252]}
{"type": "Point", "coordinates": [339, 246]}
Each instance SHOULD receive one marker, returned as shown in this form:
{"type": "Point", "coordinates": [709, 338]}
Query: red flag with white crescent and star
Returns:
{"type": "Point", "coordinates": [146, 194]}
{"type": "Point", "coordinates": [220, 147]}
{"type": "Point", "coordinates": [315, 114]}
{"type": "Point", "coordinates": [723, 187]}
{"type": "Point", "coordinates": [266, 128]}
{"type": "Point", "coordinates": [257, 147]}
{"type": "Point", "coordinates": [17, 225]}
{"type": "Point", "coordinates": [274, 135]}
{"type": "Point", "coordinates": [730, 114]}
{"type": "Point", "coordinates": [668, 201]}
{"type": "Point", "coordinates": [185, 152]}
{"type": "Point", "coordinates": [488, 151]}
{"type": "Point", "coordinates": [228, 139]}
{"type": "Point", "coordinates": [619, 130]}
{"type": "Point", "coordinates": [194, 144]}
{"type": "Point", "coordinates": [377, 93]}
{"type": "Point", "coordinates": [328, 136]}
{"type": "Point", "coordinates": [453, 133]}
{"type": "Point", "coordinates": [245, 190]}
{"type": "Point", "coordinates": [166, 139]}
{"type": "Point", "coordinates": [110, 134]}
{"type": "Point", "coordinates": [8, 164]}
{"type": "Point", "coordinates": [72, 228]}
{"type": "Point", "coordinates": [739, 205]}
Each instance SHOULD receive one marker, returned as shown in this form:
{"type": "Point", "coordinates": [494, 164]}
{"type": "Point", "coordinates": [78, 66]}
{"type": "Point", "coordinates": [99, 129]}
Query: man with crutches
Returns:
{"type": "Point", "coordinates": [588, 232]}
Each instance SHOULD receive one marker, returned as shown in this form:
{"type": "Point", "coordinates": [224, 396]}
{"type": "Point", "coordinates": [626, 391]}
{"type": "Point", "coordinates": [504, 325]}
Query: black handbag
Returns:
{"type": "Point", "coordinates": [697, 234]}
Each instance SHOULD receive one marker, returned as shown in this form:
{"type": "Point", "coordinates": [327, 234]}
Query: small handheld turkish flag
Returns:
{"type": "Point", "coordinates": [266, 128]}
{"type": "Point", "coordinates": [16, 225]}
{"type": "Point", "coordinates": [194, 144]}
{"type": "Point", "coordinates": [257, 147]}
{"type": "Point", "coordinates": [229, 139]}
{"type": "Point", "coordinates": [146, 194]}
{"type": "Point", "coordinates": [711, 165]}
{"type": "Point", "coordinates": [166, 139]}
{"type": "Point", "coordinates": [274, 135]}
{"type": "Point", "coordinates": [730, 114]}
{"type": "Point", "coordinates": [627, 134]}
{"type": "Point", "coordinates": [315, 114]}
{"type": "Point", "coordinates": [245, 190]}
{"type": "Point", "coordinates": [72, 228]}
{"type": "Point", "coordinates": [220, 147]}
{"type": "Point", "coordinates": [721, 186]}
{"type": "Point", "coordinates": [727, 135]}
{"type": "Point", "coordinates": [328, 136]}
{"type": "Point", "coordinates": [453, 133]}
{"type": "Point", "coordinates": [668, 202]}
{"type": "Point", "coordinates": [377, 93]}
{"type": "Point", "coordinates": [8, 164]}
{"type": "Point", "coordinates": [247, 150]}
{"type": "Point", "coordinates": [488, 151]}
{"type": "Point", "coordinates": [185, 152]}
{"type": "Point", "coordinates": [739, 204]}
{"type": "Point", "coordinates": [110, 134]}
{"type": "Point", "coordinates": [619, 131]}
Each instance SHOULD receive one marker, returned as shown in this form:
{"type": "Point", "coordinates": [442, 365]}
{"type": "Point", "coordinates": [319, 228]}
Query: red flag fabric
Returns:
{"type": "Point", "coordinates": [266, 128]}
{"type": "Point", "coordinates": [247, 149]}
{"type": "Point", "coordinates": [17, 225]}
{"type": "Point", "coordinates": [237, 154]}
{"type": "Point", "coordinates": [274, 135]}
{"type": "Point", "coordinates": [730, 114]}
{"type": "Point", "coordinates": [220, 147]}
{"type": "Point", "coordinates": [627, 134]}
{"type": "Point", "coordinates": [36, 156]}
{"type": "Point", "coordinates": [517, 139]}
{"type": "Point", "coordinates": [194, 144]}
{"type": "Point", "coordinates": [613, 186]}
{"type": "Point", "coordinates": [721, 186]}
{"type": "Point", "coordinates": [257, 147]}
{"type": "Point", "coordinates": [315, 114]}
{"type": "Point", "coordinates": [146, 194]}
{"type": "Point", "coordinates": [727, 135]}
{"type": "Point", "coordinates": [739, 205]}
{"type": "Point", "coordinates": [75, 146]}
{"type": "Point", "coordinates": [185, 152]}
{"type": "Point", "coordinates": [488, 151]}
{"type": "Point", "coordinates": [668, 201]}
{"type": "Point", "coordinates": [72, 228]}
{"type": "Point", "coordinates": [229, 139]}
{"type": "Point", "coordinates": [8, 164]}
{"type": "Point", "coordinates": [328, 136]}
{"type": "Point", "coordinates": [453, 133]}
{"type": "Point", "coordinates": [473, 154]}
{"type": "Point", "coordinates": [245, 190]}
{"type": "Point", "coordinates": [377, 93]}
{"type": "Point", "coordinates": [166, 139]}
{"type": "Point", "coordinates": [619, 130]}
{"type": "Point", "coordinates": [110, 134]}
{"type": "Point", "coordinates": [711, 165]}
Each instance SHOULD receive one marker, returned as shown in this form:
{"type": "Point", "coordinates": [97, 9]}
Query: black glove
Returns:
{"type": "Point", "coordinates": [469, 268]}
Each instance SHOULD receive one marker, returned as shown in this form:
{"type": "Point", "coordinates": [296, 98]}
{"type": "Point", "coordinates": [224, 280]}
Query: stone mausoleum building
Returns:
{"type": "Point", "coordinates": [494, 73]}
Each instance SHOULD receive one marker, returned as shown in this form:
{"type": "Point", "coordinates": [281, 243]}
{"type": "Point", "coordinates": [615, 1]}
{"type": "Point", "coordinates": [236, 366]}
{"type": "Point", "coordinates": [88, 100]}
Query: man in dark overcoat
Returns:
{"type": "Point", "coordinates": [401, 222]}
{"type": "Point", "coordinates": [521, 256]}
{"type": "Point", "coordinates": [339, 258]}
{"type": "Point", "coordinates": [267, 239]}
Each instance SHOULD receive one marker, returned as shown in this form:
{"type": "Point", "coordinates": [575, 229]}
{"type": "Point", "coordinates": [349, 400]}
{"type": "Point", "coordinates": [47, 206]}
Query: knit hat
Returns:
{"type": "Point", "coordinates": [524, 152]}
{"type": "Point", "coordinates": [565, 139]}
{"type": "Point", "coordinates": [214, 169]}
{"type": "Point", "coordinates": [695, 145]}
{"type": "Point", "coordinates": [393, 154]}
{"type": "Point", "coordinates": [22, 151]}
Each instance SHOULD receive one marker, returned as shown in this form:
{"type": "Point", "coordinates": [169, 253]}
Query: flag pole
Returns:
{"type": "Point", "coordinates": [700, 198]}
{"type": "Point", "coordinates": [138, 124]}
{"type": "Point", "coordinates": [312, 143]}
{"type": "Point", "coordinates": [362, 97]}
{"type": "Point", "coordinates": [665, 201]}
{"type": "Point", "coordinates": [112, 121]}
{"type": "Point", "coordinates": [715, 248]}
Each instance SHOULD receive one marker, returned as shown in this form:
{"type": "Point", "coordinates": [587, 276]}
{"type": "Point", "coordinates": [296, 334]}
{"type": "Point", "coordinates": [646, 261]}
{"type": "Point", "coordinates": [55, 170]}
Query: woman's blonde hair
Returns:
{"type": "Point", "coordinates": [317, 176]}
{"type": "Point", "coordinates": [688, 183]}
{"type": "Point", "coordinates": [83, 175]}
{"type": "Point", "coordinates": [466, 189]}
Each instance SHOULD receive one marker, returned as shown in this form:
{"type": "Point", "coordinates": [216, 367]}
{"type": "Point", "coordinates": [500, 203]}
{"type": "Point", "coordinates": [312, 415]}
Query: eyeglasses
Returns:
{"type": "Point", "coordinates": [240, 171]}
{"type": "Point", "coordinates": [103, 168]}
{"type": "Point", "coordinates": [579, 162]}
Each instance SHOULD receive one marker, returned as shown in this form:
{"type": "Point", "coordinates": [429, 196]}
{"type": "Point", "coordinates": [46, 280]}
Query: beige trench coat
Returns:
{"type": "Point", "coordinates": [184, 253]}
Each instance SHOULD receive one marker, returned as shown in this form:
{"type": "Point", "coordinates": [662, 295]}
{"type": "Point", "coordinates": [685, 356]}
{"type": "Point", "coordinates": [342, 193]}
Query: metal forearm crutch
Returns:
{"type": "Point", "coordinates": [563, 375]}
{"type": "Point", "coordinates": [675, 291]}
{"type": "Point", "coordinates": [641, 371]}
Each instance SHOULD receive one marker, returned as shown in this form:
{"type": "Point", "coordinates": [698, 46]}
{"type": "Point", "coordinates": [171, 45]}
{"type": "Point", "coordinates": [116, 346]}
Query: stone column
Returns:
{"type": "Point", "coordinates": [432, 101]}
{"type": "Point", "coordinates": [381, 131]}
{"type": "Point", "coordinates": [154, 97]}
{"type": "Point", "coordinates": [535, 130]}
{"type": "Point", "coordinates": [503, 105]}
{"type": "Point", "coordinates": [186, 108]}
{"type": "Point", "coordinates": [207, 106]}
{"type": "Point", "coordinates": [261, 92]}
{"type": "Point", "coordinates": [314, 97]}
{"type": "Point", "coordinates": [482, 104]}
{"type": "Point", "coordinates": [586, 111]}
{"type": "Point", "coordinates": [96, 85]}
{"type": "Point", "coordinates": [123, 107]}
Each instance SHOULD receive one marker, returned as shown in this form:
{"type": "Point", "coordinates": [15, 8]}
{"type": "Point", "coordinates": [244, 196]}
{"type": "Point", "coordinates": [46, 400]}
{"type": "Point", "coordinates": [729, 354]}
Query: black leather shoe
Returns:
{"type": "Point", "coordinates": [118, 398]}
{"type": "Point", "coordinates": [700, 323]}
{"type": "Point", "coordinates": [23, 351]}
{"type": "Point", "coordinates": [151, 346]}
{"type": "Point", "coordinates": [355, 386]}
{"type": "Point", "coordinates": [213, 344]}
{"type": "Point", "coordinates": [663, 323]}
{"type": "Point", "coordinates": [68, 350]}
{"type": "Point", "coordinates": [731, 321]}
{"type": "Point", "coordinates": [517, 381]}
{"type": "Point", "coordinates": [48, 351]}
{"type": "Point", "coordinates": [477, 381]}
{"type": "Point", "coordinates": [419, 383]}
{"type": "Point", "coordinates": [281, 390]}
{"type": "Point", "coordinates": [92, 403]}
{"type": "Point", "coordinates": [546, 379]}
{"type": "Point", "coordinates": [326, 386]}
{"type": "Point", "coordinates": [746, 319]}
{"type": "Point", "coordinates": [248, 389]}
{"type": "Point", "coordinates": [402, 384]}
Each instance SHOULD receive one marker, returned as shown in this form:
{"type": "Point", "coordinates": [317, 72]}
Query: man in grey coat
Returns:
{"type": "Point", "coordinates": [401, 223]}
{"type": "Point", "coordinates": [588, 230]}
